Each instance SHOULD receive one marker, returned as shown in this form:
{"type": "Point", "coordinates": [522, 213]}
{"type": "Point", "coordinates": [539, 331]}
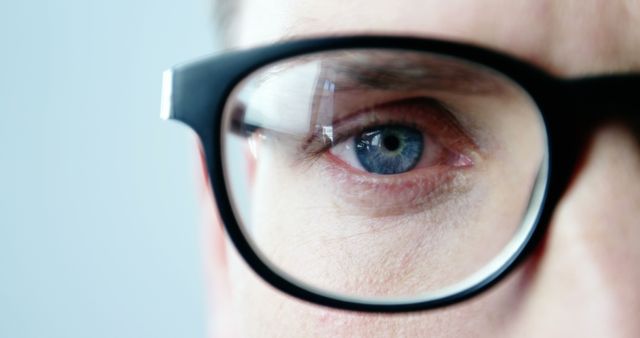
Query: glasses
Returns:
{"type": "Point", "coordinates": [387, 173]}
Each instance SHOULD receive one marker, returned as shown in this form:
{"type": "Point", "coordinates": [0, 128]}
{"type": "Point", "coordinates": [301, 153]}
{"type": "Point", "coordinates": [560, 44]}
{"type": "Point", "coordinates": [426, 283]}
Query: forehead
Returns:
{"type": "Point", "coordinates": [566, 37]}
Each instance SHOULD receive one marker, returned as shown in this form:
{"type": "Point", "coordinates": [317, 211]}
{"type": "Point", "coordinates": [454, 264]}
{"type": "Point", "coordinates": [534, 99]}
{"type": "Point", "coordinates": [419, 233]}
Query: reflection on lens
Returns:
{"type": "Point", "coordinates": [383, 174]}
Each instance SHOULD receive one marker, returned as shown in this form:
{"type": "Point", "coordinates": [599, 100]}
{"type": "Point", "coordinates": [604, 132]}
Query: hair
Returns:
{"type": "Point", "coordinates": [224, 12]}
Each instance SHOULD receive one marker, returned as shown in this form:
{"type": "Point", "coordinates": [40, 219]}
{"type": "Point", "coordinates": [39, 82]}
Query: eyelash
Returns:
{"type": "Point", "coordinates": [343, 134]}
{"type": "Point", "coordinates": [420, 113]}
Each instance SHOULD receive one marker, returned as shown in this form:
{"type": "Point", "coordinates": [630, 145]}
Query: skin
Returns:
{"type": "Point", "coordinates": [581, 282]}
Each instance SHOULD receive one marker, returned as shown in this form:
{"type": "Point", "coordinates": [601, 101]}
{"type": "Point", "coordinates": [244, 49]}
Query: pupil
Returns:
{"type": "Point", "coordinates": [391, 142]}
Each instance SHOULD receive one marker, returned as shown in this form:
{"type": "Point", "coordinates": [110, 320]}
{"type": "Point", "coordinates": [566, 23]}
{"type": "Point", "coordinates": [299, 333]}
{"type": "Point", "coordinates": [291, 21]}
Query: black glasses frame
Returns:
{"type": "Point", "coordinates": [196, 94]}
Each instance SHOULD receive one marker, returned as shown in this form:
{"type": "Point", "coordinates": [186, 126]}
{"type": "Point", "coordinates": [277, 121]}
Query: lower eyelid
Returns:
{"type": "Point", "coordinates": [386, 195]}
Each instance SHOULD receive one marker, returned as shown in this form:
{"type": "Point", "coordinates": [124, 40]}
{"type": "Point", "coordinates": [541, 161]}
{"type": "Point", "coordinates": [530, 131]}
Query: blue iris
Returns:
{"type": "Point", "coordinates": [389, 150]}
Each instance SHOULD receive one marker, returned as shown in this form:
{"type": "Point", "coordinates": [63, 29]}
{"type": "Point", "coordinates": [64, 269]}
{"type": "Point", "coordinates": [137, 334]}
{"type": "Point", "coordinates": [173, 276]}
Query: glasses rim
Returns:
{"type": "Point", "coordinates": [196, 94]}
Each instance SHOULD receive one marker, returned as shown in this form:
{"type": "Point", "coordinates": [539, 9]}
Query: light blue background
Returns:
{"type": "Point", "coordinates": [99, 218]}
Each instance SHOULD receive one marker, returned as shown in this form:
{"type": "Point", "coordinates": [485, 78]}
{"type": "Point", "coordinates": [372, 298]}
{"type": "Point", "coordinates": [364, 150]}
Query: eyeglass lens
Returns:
{"type": "Point", "coordinates": [383, 174]}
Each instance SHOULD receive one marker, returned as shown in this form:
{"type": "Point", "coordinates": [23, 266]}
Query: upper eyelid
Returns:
{"type": "Point", "coordinates": [314, 144]}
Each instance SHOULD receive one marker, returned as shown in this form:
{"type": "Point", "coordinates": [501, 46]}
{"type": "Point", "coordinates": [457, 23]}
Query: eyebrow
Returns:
{"type": "Point", "coordinates": [416, 71]}
{"type": "Point", "coordinates": [400, 71]}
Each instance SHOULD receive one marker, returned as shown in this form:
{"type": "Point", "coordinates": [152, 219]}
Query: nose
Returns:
{"type": "Point", "coordinates": [587, 273]}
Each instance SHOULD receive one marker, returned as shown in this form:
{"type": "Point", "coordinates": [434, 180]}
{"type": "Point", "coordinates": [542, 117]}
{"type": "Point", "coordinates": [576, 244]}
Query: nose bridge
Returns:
{"type": "Point", "coordinates": [591, 260]}
{"type": "Point", "coordinates": [589, 267]}
{"type": "Point", "coordinates": [603, 202]}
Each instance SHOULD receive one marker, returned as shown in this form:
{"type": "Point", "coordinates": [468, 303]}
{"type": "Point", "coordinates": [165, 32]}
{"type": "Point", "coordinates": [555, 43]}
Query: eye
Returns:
{"type": "Point", "coordinates": [397, 150]}
{"type": "Point", "coordinates": [393, 149]}
{"type": "Point", "coordinates": [387, 150]}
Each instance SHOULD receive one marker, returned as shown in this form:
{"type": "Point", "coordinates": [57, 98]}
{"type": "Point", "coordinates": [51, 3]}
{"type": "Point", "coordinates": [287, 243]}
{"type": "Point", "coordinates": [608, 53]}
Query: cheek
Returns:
{"type": "Point", "coordinates": [261, 311]}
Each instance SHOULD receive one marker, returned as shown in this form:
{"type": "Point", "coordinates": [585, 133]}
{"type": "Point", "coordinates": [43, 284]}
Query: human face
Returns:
{"type": "Point", "coordinates": [582, 281]}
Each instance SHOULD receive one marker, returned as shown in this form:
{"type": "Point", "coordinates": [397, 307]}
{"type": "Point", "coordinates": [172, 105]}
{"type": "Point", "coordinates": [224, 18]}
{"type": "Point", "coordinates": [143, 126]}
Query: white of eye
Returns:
{"type": "Point", "coordinates": [346, 151]}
